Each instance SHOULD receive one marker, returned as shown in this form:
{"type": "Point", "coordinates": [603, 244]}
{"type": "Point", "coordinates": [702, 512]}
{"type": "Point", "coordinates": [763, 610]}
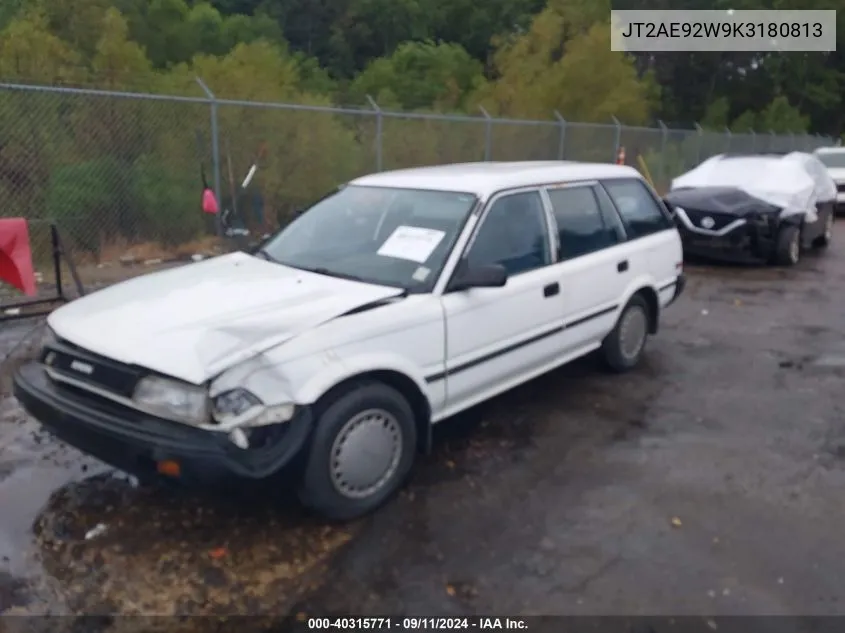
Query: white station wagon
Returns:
{"type": "Point", "coordinates": [390, 305]}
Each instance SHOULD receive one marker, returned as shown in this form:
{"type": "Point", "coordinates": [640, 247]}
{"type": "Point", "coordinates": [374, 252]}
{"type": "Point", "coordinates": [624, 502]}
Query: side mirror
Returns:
{"type": "Point", "coordinates": [486, 276]}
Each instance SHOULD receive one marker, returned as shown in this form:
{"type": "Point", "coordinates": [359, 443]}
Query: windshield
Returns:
{"type": "Point", "coordinates": [379, 235]}
{"type": "Point", "coordinates": [832, 159]}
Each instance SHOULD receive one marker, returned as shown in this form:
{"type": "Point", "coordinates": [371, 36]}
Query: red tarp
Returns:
{"type": "Point", "coordinates": [16, 255]}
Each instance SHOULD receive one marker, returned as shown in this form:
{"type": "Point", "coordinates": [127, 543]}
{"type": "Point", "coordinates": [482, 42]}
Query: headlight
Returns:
{"type": "Point", "coordinates": [234, 403]}
{"type": "Point", "coordinates": [171, 399]}
{"type": "Point", "coordinates": [240, 408]}
{"type": "Point", "coordinates": [48, 337]}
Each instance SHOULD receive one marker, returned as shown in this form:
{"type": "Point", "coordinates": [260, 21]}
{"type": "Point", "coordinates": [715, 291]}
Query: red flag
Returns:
{"type": "Point", "coordinates": [16, 255]}
{"type": "Point", "coordinates": [209, 202]}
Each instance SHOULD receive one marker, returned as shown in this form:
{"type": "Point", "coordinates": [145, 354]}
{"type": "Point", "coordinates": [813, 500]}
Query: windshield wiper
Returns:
{"type": "Point", "coordinates": [333, 273]}
{"type": "Point", "coordinates": [265, 255]}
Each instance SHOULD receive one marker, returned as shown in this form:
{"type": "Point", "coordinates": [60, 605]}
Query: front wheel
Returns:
{"type": "Point", "coordinates": [624, 346]}
{"type": "Point", "coordinates": [788, 249]}
{"type": "Point", "coordinates": [362, 450]}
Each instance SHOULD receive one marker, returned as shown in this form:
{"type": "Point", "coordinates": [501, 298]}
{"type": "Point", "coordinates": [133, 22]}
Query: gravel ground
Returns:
{"type": "Point", "coordinates": [708, 481]}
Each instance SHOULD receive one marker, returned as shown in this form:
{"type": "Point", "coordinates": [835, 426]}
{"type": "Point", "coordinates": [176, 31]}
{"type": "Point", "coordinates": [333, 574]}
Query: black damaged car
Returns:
{"type": "Point", "coordinates": [761, 208]}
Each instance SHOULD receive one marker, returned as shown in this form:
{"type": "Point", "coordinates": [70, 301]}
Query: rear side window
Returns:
{"type": "Point", "coordinates": [640, 212]}
{"type": "Point", "coordinates": [581, 227]}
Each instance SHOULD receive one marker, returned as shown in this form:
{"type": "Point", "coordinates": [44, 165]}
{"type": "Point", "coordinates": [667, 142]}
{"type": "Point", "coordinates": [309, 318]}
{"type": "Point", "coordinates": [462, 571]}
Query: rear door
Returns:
{"type": "Point", "coordinates": [595, 262]}
{"type": "Point", "coordinates": [655, 252]}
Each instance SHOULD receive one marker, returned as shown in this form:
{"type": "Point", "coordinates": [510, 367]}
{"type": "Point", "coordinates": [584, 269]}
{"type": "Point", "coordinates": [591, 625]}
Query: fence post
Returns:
{"type": "Point", "coordinates": [617, 142]}
{"type": "Point", "coordinates": [561, 146]}
{"type": "Point", "coordinates": [215, 150]}
{"type": "Point", "coordinates": [379, 122]}
{"type": "Point", "coordinates": [664, 138]}
{"type": "Point", "coordinates": [488, 134]}
{"type": "Point", "coordinates": [700, 131]}
{"type": "Point", "coordinates": [792, 141]}
{"type": "Point", "coordinates": [772, 137]}
{"type": "Point", "coordinates": [753, 140]}
{"type": "Point", "coordinates": [729, 138]}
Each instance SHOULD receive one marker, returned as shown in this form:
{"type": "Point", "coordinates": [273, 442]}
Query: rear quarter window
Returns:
{"type": "Point", "coordinates": [642, 213]}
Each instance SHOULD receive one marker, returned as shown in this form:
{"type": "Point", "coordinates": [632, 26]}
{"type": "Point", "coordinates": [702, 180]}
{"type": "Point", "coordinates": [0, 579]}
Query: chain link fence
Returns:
{"type": "Point", "coordinates": [120, 173]}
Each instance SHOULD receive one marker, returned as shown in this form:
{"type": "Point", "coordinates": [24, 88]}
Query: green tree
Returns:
{"type": "Point", "coordinates": [31, 53]}
{"type": "Point", "coordinates": [782, 117]}
{"type": "Point", "coordinates": [77, 22]}
{"type": "Point", "coordinates": [717, 115]}
{"type": "Point", "coordinates": [542, 71]}
{"type": "Point", "coordinates": [117, 61]}
{"type": "Point", "coordinates": [475, 25]}
{"type": "Point", "coordinates": [420, 75]}
{"type": "Point", "coordinates": [370, 29]}
{"type": "Point", "coordinates": [164, 32]}
{"type": "Point", "coordinates": [746, 121]}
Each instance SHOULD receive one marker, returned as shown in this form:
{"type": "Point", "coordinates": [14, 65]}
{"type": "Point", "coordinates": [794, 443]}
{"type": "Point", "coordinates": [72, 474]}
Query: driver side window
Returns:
{"type": "Point", "coordinates": [514, 234]}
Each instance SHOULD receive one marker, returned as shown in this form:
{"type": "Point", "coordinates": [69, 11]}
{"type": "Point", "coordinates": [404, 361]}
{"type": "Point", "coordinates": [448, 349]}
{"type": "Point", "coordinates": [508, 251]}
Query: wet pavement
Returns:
{"type": "Point", "coordinates": [707, 481]}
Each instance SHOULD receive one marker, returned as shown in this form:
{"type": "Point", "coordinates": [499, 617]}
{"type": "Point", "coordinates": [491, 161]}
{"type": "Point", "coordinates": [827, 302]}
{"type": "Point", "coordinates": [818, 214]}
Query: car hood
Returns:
{"type": "Point", "coordinates": [195, 321]}
{"type": "Point", "coordinates": [725, 200]}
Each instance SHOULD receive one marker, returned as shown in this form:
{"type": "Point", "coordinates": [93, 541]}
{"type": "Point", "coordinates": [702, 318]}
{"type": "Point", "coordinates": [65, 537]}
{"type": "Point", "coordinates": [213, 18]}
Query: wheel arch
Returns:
{"type": "Point", "coordinates": [643, 287]}
{"type": "Point", "coordinates": [395, 379]}
{"type": "Point", "coordinates": [652, 300]}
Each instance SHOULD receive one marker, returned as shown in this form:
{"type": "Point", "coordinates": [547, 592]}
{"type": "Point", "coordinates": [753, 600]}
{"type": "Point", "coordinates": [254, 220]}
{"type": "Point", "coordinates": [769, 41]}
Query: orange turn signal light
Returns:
{"type": "Point", "coordinates": [169, 467]}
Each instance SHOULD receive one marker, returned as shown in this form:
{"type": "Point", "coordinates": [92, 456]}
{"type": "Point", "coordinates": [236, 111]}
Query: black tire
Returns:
{"type": "Point", "coordinates": [318, 490]}
{"type": "Point", "coordinates": [824, 240]}
{"type": "Point", "coordinates": [788, 249]}
{"type": "Point", "coordinates": [613, 352]}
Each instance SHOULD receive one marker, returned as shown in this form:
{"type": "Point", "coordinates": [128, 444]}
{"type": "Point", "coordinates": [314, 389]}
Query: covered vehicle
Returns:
{"type": "Point", "coordinates": [833, 158]}
{"type": "Point", "coordinates": [754, 207]}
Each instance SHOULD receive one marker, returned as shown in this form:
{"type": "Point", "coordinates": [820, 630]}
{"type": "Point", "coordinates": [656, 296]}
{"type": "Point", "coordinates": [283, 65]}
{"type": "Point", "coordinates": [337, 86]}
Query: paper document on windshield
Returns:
{"type": "Point", "coordinates": [411, 243]}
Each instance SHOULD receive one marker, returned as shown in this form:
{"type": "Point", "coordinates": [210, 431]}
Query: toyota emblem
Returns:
{"type": "Point", "coordinates": [708, 222]}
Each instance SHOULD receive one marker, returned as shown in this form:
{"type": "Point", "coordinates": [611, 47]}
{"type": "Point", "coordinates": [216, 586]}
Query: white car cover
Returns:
{"type": "Point", "coordinates": [795, 181]}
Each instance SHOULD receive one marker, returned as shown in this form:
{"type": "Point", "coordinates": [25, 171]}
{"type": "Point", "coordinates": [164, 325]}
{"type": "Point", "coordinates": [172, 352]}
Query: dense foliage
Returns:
{"type": "Point", "coordinates": [129, 167]}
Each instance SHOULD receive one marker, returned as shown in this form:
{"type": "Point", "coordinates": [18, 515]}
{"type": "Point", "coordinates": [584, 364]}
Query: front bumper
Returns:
{"type": "Point", "coordinates": [136, 442]}
{"type": "Point", "coordinates": [748, 242]}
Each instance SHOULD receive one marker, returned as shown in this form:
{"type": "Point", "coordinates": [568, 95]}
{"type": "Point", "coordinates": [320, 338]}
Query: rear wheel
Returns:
{"type": "Point", "coordinates": [363, 448]}
{"type": "Point", "coordinates": [624, 346]}
{"type": "Point", "coordinates": [788, 249]}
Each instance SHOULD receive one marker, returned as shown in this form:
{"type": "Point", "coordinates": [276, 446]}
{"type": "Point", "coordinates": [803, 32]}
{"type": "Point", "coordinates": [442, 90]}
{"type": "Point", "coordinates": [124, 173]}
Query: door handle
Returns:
{"type": "Point", "coordinates": [622, 266]}
{"type": "Point", "coordinates": [551, 290]}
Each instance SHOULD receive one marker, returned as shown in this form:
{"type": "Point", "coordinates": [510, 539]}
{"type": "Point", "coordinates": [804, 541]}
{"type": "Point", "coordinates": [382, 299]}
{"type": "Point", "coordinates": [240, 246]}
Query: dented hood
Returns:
{"type": "Point", "coordinates": [197, 320]}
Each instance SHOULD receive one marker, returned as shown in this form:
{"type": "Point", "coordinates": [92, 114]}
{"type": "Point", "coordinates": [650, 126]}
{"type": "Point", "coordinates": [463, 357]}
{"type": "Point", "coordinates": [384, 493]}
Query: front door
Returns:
{"type": "Point", "coordinates": [497, 338]}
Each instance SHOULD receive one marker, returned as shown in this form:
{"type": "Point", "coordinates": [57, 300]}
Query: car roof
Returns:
{"type": "Point", "coordinates": [485, 179]}
{"type": "Point", "coordinates": [829, 150]}
{"type": "Point", "coordinates": [772, 154]}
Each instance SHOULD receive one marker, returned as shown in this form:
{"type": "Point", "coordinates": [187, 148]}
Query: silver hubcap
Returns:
{"type": "Point", "coordinates": [828, 228]}
{"type": "Point", "coordinates": [632, 332]}
{"type": "Point", "coordinates": [366, 453]}
{"type": "Point", "coordinates": [795, 248]}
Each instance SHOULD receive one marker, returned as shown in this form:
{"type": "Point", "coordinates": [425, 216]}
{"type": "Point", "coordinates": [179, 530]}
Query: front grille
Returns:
{"type": "Point", "coordinates": [720, 220]}
{"type": "Point", "coordinates": [91, 369]}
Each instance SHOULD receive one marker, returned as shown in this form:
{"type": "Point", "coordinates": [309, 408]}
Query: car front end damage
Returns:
{"type": "Point", "coordinates": [152, 426]}
{"type": "Point", "coordinates": [727, 225]}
